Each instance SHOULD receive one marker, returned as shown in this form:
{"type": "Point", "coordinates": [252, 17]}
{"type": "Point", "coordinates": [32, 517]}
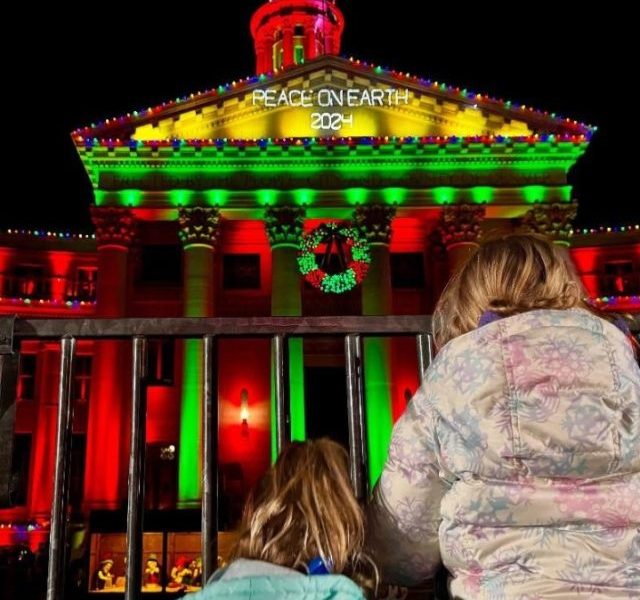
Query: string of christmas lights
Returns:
{"type": "Point", "coordinates": [48, 302]}
{"type": "Point", "coordinates": [616, 300]}
{"type": "Point", "coordinates": [306, 142]}
{"type": "Point", "coordinates": [598, 230]}
{"type": "Point", "coordinates": [22, 526]}
{"type": "Point", "coordinates": [51, 234]}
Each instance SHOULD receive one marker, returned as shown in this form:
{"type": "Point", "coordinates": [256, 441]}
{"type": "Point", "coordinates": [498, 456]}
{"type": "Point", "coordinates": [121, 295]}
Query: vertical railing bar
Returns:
{"type": "Point", "coordinates": [364, 451]}
{"type": "Point", "coordinates": [281, 374]}
{"type": "Point", "coordinates": [355, 415]}
{"type": "Point", "coordinates": [286, 387]}
{"type": "Point", "coordinates": [9, 361]}
{"type": "Point", "coordinates": [424, 343]}
{"type": "Point", "coordinates": [59, 512]}
{"type": "Point", "coordinates": [210, 462]}
{"type": "Point", "coordinates": [135, 497]}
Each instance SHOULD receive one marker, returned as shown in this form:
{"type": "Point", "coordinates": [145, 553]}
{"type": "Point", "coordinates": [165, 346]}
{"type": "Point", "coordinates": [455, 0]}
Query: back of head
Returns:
{"type": "Point", "coordinates": [305, 508]}
{"type": "Point", "coordinates": [507, 275]}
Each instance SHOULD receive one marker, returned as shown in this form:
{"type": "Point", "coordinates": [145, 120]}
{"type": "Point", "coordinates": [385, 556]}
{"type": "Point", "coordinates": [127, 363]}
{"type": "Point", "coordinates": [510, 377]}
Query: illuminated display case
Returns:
{"type": "Point", "coordinates": [171, 561]}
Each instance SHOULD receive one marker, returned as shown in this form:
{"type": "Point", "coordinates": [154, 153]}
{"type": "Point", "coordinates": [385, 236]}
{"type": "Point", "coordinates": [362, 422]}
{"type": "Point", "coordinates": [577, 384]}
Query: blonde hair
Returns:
{"type": "Point", "coordinates": [305, 508]}
{"type": "Point", "coordinates": [507, 275]}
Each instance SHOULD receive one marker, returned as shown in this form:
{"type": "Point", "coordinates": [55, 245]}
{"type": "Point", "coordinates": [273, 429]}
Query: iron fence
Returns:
{"type": "Point", "coordinates": [209, 330]}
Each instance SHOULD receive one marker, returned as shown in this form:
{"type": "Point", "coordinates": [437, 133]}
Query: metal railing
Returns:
{"type": "Point", "coordinates": [279, 329]}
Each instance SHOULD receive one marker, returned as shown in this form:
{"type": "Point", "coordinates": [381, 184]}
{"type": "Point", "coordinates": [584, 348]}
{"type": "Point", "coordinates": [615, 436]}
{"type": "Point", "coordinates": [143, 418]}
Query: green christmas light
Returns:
{"type": "Point", "coordinates": [356, 195]}
{"type": "Point", "coordinates": [339, 283]}
{"type": "Point", "coordinates": [534, 193]}
{"type": "Point", "coordinates": [482, 194]}
{"type": "Point", "coordinates": [394, 195]}
{"type": "Point", "coordinates": [130, 197]}
{"type": "Point", "coordinates": [267, 197]}
{"type": "Point", "coordinates": [180, 197]}
{"type": "Point", "coordinates": [217, 197]}
{"type": "Point", "coordinates": [304, 196]}
{"type": "Point", "coordinates": [444, 195]}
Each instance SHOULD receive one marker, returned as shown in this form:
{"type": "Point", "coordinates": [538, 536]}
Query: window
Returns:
{"type": "Point", "coordinates": [407, 270]}
{"type": "Point", "coordinates": [161, 476]}
{"type": "Point", "coordinates": [619, 278]}
{"type": "Point", "coordinates": [27, 377]}
{"type": "Point", "coordinates": [76, 480]}
{"type": "Point", "coordinates": [29, 281]}
{"type": "Point", "coordinates": [299, 30]}
{"type": "Point", "coordinates": [82, 378]}
{"type": "Point", "coordinates": [85, 284]}
{"type": "Point", "coordinates": [299, 54]}
{"type": "Point", "coordinates": [278, 55]}
{"type": "Point", "coordinates": [160, 357]}
{"type": "Point", "coordinates": [161, 265]}
{"type": "Point", "coordinates": [20, 469]}
{"type": "Point", "coordinates": [241, 271]}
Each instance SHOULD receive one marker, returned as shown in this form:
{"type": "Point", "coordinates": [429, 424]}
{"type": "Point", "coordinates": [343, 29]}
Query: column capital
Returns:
{"type": "Point", "coordinates": [460, 224]}
{"type": "Point", "coordinates": [374, 220]}
{"type": "Point", "coordinates": [199, 225]}
{"type": "Point", "coordinates": [284, 224]}
{"type": "Point", "coordinates": [114, 226]}
{"type": "Point", "coordinates": [552, 220]}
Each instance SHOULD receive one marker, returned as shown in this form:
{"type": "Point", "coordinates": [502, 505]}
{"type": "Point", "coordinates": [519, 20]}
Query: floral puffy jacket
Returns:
{"type": "Point", "coordinates": [518, 465]}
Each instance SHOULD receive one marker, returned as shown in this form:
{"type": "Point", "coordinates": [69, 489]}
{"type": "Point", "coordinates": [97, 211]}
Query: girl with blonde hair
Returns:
{"type": "Point", "coordinates": [302, 520]}
{"type": "Point", "coordinates": [517, 463]}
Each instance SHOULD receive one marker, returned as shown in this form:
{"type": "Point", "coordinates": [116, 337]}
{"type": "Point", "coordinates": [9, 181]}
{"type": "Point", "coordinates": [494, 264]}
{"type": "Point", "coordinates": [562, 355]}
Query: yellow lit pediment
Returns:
{"type": "Point", "coordinates": [329, 98]}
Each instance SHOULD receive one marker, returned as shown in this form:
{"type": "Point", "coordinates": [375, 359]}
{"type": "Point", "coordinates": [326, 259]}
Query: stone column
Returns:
{"type": "Point", "coordinates": [61, 275]}
{"type": "Point", "coordinates": [44, 439]}
{"type": "Point", "coordinates": [109, 411]}
{"type": "Point", "coordinates": [375, 222]}
{"type": "Point", "coordinates": [284, 226]}
{"type": "Point", "coordinates": [460, 231]}
{"type": "Point", "coordinates": [310, 46]}
{"type": "Point", "coordinates": [199, 230]}
{"type": "Point", "coordinates": [287, 47]}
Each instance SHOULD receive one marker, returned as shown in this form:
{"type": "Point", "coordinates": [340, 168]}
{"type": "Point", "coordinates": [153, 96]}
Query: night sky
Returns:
{"type": "Point", "coordinates": [86, 66]}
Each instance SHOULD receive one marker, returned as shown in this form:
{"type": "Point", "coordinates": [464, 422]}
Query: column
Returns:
{"type": "Point", "coordinates": [199, 230]}
{"type": "Point", "coordinates": [553, 220]}
{"type": "Point", "coordinates": [460, 230]}
{"type": "Point", "coordinates": [287, 47]}
{"type": "Point", "coordinates": [44, 438]}
{"type": "Point", "coordinates": [260, 57]}
{"type": "Point", "coordinates": [58, 288]}
{"type": "Point", "coordinates": [284, 226]}
{"type": "Point", "coordinates": [375, 222]}
{"type": "Point", "coordinates": [310, 46]}
{"type": "Point", "coordinates": [109, 410]}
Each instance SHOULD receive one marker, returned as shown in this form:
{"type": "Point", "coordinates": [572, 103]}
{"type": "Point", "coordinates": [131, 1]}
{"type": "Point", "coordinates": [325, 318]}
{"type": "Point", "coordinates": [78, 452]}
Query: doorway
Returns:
{"type": "Point", "coordinates": [326, 403]}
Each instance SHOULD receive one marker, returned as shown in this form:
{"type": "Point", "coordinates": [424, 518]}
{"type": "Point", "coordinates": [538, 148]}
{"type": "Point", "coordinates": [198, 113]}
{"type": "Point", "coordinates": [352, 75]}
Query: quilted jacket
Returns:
{"type": "Point", "coordinates": [257, 580]}
{"type": "Point", "coordinates": [518, 465]}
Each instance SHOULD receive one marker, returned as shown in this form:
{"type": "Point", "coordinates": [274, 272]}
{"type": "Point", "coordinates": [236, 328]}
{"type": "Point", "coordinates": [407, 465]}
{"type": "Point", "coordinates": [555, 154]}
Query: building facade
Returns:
{"type": "Point", "coordinates": [200, 208]}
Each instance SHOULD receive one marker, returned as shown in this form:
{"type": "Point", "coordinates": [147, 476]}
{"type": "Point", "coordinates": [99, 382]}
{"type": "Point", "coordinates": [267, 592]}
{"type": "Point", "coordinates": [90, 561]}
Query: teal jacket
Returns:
{"type": "Point", "coordinates": [248, 579]}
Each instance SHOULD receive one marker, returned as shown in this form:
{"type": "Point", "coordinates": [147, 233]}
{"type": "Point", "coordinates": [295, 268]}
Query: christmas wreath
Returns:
{"type": "Point", "coordinates": [347, 240]}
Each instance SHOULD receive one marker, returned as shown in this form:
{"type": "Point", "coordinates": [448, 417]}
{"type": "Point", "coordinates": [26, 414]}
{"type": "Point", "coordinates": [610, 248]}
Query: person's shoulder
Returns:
{"type": "Point", "coordinates": [246, 567]}
{"type": "Point", "coordinates": [284, 585]}
{"type": "Point", "coordinates": [574, 321]}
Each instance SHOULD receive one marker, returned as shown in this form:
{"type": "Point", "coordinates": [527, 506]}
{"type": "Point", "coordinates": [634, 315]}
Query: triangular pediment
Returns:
{"type": "Point", "coordinates": [332, 96]}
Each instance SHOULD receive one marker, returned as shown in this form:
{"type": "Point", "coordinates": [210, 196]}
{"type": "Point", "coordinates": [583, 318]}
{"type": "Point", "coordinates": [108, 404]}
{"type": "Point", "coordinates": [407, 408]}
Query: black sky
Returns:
{"type": "Point", "coordinates": [70, 66]}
